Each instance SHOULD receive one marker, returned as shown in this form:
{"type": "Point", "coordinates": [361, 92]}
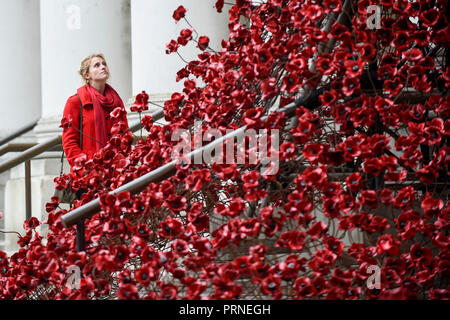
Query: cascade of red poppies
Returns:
{"type": "Point", "coordinates": [361, 191]}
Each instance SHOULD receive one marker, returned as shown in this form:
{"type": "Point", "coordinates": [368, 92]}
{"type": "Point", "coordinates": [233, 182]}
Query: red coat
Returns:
{"type": "Point", "coordinates": [71, 136]}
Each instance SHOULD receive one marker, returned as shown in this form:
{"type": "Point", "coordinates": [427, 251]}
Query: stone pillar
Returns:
{"type": "Point", "coordinates": [153, 27]}
{"type": "Point", "coordinates": [20, 83]}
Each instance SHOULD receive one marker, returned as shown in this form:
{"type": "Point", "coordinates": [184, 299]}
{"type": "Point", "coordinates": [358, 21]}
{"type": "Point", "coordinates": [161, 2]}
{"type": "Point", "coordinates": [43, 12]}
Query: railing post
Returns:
{"type": "Point", "coordinates": [28, 189]}
{"type": "Point", "coordinates": [81, 242]}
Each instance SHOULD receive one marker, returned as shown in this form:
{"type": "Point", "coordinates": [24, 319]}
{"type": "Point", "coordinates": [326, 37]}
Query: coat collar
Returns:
{"type": "Point", "coordinates": [85, 96]}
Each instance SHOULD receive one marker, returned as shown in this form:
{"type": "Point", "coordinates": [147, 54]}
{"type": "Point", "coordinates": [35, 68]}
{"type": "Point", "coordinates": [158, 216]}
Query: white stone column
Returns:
{"type": "Point", "coordinates": [153, 27]}
{"type": "Point", "coordinates": [20, 81]}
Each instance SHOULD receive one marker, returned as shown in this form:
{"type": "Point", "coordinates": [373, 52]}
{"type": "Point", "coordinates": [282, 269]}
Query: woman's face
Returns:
{"type": "Point", "coordinates": [98, 70]}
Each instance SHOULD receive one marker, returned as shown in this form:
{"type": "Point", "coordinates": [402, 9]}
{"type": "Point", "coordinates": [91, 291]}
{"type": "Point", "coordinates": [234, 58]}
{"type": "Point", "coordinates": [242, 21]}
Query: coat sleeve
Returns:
{"type": "Point", "coordinates": [71, 135]}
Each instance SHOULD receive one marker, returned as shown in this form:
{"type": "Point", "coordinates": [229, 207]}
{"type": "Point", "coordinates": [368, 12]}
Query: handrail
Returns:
{"type": "Point", "coordinates": [30, 153]}
{"type": "Point", "coordinates": [20, 147]}
{"type": "Point", "coordinates": [87, 210]}
{"type": "Point", "coordinates": [19, 132]}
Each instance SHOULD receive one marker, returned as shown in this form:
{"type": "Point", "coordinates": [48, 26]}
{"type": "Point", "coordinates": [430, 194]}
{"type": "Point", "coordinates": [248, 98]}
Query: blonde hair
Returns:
{"type": "Point", "coordinates": [84, 67]}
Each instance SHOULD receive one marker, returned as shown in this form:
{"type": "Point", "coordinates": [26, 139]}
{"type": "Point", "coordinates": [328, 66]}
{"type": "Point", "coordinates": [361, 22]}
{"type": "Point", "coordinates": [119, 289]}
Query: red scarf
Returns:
{"type": "Point", "coordinates": [103, 105]}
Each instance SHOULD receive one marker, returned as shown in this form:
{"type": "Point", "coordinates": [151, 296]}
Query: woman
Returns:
{"type": "Point", "coordinates": [98, 100]}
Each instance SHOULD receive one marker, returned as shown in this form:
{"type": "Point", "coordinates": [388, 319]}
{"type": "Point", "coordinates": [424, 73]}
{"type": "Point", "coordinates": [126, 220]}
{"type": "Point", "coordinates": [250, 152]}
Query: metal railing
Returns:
{"type": "Point", "coordinates": [18, 133]}
{"type": "Point", "coordinates": [25, 157]}
{"type": "Point", "coordinates": [20, 147]}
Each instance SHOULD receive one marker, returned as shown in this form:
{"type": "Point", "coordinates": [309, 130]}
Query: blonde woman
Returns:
{"type": "Point", "coordinates": [98, 99]}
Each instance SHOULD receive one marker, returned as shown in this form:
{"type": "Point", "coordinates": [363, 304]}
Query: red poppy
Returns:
{"type": "Point", "coordinates": [290, 83]}
{"type": "Point", "coordinates": [176, 203]}
{"type": "Point", "coordinates": [350, 86]}
{"type": "Point", "coordinates": [269, 88]}
{"type": "Point", "coordinates": [272, 286]}
{"type": "Point", "coordinates": [31, 224]}
{"type": "Point", "coordinates": [252, 117]}
{"type": "Point", "coordinates": [317, 229]}
{"type": "Point", "coordinates": [171, 228]}
{"type": "Point", "coordinates": [250, 227]}
{"type": "Point", "coordinates": [427, 174]}
{"type": "Point", "coordinates": [243, 264]}
{"type": "Point", "coordinates": [331, 207]}
{"type": "Point", "coordinates": [388, 244]}
{"type": "Point", "coordinates": [128, 292]}
{"type": "Point", "coordinates": [419, 253]}
{"type": "Point", "coordinates": [141, 102]}
{"type": "Point", "coordinates": [219, 5]}
{"type": "Point", "coordinates": [373, 166]}
{"type": "Point", "coordinates": [179, 13]}
{"type": "Point", "coordinates": [293, 240]}
{"type": "Point", "coordinates": [354, 182]}
{"type": "Point", "coordinates": [354, 68]}
{"type": "Point", "coordinates": [303, 287]}
{"type": "Point", "coordinates": [185, 36]}
{"type": "Point", "coordinates": [322, 261]}
{"type": "Point", "coordinates": [66, 122]}
{"type": "Point", "coordinates": [430, 17]}
{"type": "Point", "coordinates": [172, 46]}
{"type": "Point", "coordinates": [369, 198]}
{"type": "Point", "coordinates": [197, 178]}
{"type": "Point", "coordinates": [405, 197]}
{"type": "Point", "coordinates": [288, 151]}
{"type": "Point", "coordinates": [312, 152]}
{"type": "Point", "coordinates": [334, 244]}
{"type": "Point", "coordinates": [203, 42]}
{"type": "Point", "coordinates": [431, 207]}
{"type": "Point", "coordinates": [3, 259]}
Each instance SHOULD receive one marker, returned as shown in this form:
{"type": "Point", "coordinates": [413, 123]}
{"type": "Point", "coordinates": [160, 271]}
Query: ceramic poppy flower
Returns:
{"type": "Point", "coordinates": [294, 240]}
{"type": "Point", "coordinates": [66, 122]}
{"type": "Point", "coordinates": [128, 292]}
{"type": "Point", "coordinates": [405, 197]}
{"type": "Point", "coordinates": [430, 206]}
{"type": "Point", "coordinates": [373, 166]}
{"type": "Point", "coordinates": [179, 13]}
{"type": "Point", "coordinates": [141, 102]}
{"type": "Point", "coordinates": [176, 203]}
{"type": "Point", "coordinates": [303, 287]}
{"type": "Point", "coordinates": [350, 86]}
{"type": "Point", "coordinates": [312, 152]}
{"type": "Point", "coordinates": [185, 36]}
{"type": "Point", "coordinates": [203, 42]}
{"type": "Point", "coordinates": [32, 223]}
{"type": "Point", "coordinates": [171, 228]}
{"type": "Point", "coordinates": [172, 46]}
{"type": "Point", "coordinates": [269, 88]}
{"type": "Point", "coordinates": [419, 253]}
{"type": "Point", "coordinates": [388, 244]}
{"type": "Point", "coordinates": [290, 83]}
